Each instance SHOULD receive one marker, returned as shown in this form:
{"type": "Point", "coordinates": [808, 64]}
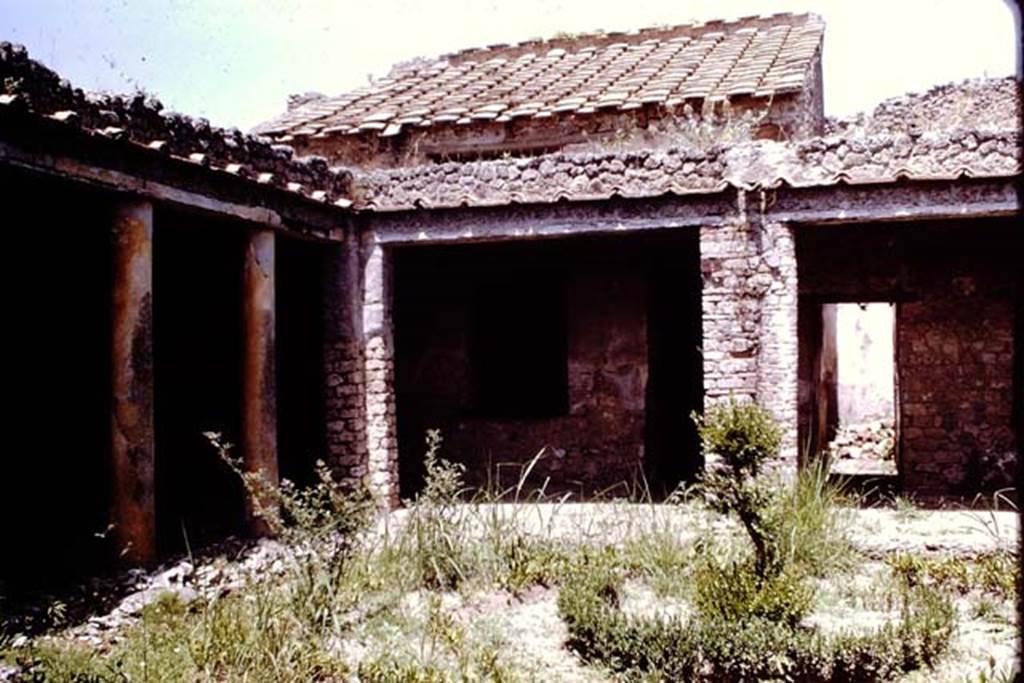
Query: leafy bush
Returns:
{"type": "Point", "coordinates": [754, 649]}
{"type": "Point", "coordinates": [731, 592]}
{"type": "Point", "coordinates": [737, 439]}
{"type": "Point", "coordinates": [320, 526]}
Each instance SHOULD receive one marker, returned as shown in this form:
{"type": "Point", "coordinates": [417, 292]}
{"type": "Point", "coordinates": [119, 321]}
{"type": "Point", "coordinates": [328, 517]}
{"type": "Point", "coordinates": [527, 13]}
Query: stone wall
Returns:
{"type": "Point", "coordinates": [955, 356]}
{"type": "Point", "coordinates": [982, 104]}
{"type": "Point", "coordinates": [955, 288]}
{"type": "Point", "coordinates": [750, 316]}
{"type": "Point", "coordinates": [599, 443]}
{"type": "Point", "coordinates": [857, 157]}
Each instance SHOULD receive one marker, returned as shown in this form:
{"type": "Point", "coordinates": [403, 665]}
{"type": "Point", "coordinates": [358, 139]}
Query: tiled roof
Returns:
{"type": "Point", "coordinates": [755, 56]}
{"type": "Point", "coordinates": [30, 87]}
{"type": "Point", "coordinates": [762, 164]}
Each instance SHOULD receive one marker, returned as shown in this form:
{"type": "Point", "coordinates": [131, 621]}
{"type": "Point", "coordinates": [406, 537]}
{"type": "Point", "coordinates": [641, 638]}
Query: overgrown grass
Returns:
{"type": "Point", "coordinates": [390, 598]}
{"type": "Point", "coordinates": [751, 601]}
{"type": "Point", "coordinates": [722, 646]}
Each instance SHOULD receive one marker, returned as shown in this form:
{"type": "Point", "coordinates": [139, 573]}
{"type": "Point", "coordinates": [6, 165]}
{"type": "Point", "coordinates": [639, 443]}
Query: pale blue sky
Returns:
{"type": "Point", "coordinates": [235, 61]}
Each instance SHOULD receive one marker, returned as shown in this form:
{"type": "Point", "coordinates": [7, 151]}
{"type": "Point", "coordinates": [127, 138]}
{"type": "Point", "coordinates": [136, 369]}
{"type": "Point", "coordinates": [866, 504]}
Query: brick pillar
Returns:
{"type": "Point", "coordinates": [749, 311]}
{"type": "Point", "coordinates": [381, 434]}
{"type": "Point", "coordinates": [344, 363]}
{"type": "Point", "coordinates": [777, 374]}
{"type": "Point", "coordinates": [259, 390]}
{"type": "Point", "coordinates": [133, 509]}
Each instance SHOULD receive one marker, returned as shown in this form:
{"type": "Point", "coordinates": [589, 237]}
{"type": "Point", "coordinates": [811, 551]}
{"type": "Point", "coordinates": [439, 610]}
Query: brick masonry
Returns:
{"type": "Point", "coordinates": [344, 371]}
{"type": "Point", "coordinates": [750, 314]}
{"type": "Point", "coordinates": [379, 371]}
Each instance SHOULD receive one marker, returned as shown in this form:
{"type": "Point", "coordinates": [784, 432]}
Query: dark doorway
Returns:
{"type": "Point", "coordinates": [55, 492]}
{"type": "Point", "coordinates": [197, 350]}
{"type": "Point", "coordinates": [300, 336]}
{"type": "Point", "coordinates": [675, 385]}
{"type": "Point", "coordinates": [588, 348]}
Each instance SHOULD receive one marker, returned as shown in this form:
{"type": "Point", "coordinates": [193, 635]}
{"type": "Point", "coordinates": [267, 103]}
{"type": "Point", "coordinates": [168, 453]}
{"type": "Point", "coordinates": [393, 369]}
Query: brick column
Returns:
{"type": "Point", "coordinates": [777, 373]}
{"type": "Point", "coordinates": [259, 390]}
{"type": "Point", "coordinates": [133, 509]}
{"type": "Point", "coordinates": [381, 434]}
{"type": "Point", "coordinates": [749, 310]}
{"type": "Point", "coordinates": [344, 363]}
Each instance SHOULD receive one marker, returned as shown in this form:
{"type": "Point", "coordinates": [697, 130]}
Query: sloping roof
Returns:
{"type": "Point", "coordinates": [754, 56]}
{"type": "Point", "coordinates": [31, 88]}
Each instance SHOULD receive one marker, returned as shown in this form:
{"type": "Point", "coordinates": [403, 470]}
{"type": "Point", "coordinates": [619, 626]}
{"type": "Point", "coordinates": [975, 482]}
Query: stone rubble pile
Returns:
{"type": "Point", "coordinates": [875, 440]}
{"type": "Point", "coordinates": [978, 104]}
{"type": "Point", "coordinates": [221, 570]}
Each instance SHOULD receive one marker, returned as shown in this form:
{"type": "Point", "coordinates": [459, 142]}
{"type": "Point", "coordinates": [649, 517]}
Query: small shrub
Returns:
{"type": "Point", "coordinates": [527, 562]}
{"type": "Point", "coordinates": [732, 593]}
{"type": "Point", "coordinates": [743, 435]}
{"type": "Point", "coordinates": [996, 573]}
{"type": "Point", "coordinates": [737, 439]}
{"type": "Point", "coordinates": [754, 649]}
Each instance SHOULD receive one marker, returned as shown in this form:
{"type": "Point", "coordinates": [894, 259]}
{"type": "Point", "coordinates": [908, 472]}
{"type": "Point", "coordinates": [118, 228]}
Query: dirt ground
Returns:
{"type": "Point", "coordinates": [534, 635]}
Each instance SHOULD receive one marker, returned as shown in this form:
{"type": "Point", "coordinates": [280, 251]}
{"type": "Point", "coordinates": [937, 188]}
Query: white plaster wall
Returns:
{"type": "Point", "coordinates": [865, 362]}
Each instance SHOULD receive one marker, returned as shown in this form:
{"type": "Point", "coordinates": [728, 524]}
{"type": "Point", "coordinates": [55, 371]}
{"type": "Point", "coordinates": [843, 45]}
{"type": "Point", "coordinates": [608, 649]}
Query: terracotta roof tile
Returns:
{"type": "Point", "coordinates": [758, 56]}
{"type": "Point", "coordinates": [35, 90]}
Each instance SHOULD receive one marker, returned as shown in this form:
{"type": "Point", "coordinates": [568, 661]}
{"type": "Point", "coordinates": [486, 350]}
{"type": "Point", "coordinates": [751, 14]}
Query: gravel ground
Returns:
{"type": "Point", "coordinates": [537, 635]}
{"type": "Point", "coordinates": [873, 530]}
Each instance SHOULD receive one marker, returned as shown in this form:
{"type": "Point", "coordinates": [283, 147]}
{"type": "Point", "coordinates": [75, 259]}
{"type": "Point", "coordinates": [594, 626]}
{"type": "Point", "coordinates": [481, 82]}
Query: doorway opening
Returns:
{"type": "Point", "coordinates": [862, 431]}
{"type": "Point", "coordinates": [586, 349]}
{"type": "Point", "coordinates": [301, 437]}
{"type": "Point", "coordinates": [197, 330]}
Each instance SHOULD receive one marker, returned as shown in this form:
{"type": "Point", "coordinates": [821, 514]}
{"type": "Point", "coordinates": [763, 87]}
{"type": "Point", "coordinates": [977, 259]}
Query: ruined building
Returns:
{"type": "Point", "coordinates": [567, 245]}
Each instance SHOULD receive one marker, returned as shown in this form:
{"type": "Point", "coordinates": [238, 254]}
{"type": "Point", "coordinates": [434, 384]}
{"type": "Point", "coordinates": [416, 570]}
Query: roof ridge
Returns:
{"type": "Point", "coordinates": [601, 38]}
